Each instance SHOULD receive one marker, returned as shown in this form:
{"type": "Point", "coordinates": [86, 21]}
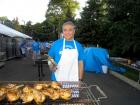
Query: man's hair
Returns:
{"type": "Point", "coordinates": [68, 23]}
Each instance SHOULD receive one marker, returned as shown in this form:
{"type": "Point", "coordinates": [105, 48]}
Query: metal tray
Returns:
{"type": "Point", "coordinates": [81, 94]}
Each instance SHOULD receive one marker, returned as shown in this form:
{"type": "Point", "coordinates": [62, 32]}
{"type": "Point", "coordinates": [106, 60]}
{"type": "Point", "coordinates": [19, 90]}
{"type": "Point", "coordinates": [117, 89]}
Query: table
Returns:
{"type": "Point", "coordinates": [39, 63]}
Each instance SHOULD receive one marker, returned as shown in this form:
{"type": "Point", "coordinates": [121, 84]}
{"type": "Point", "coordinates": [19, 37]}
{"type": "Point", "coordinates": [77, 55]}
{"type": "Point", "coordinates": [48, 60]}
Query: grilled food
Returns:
{"type": "Point", "coordinates": [46, 85]}
{"type": "Point", "coordinates": [27, 97]}
{"type": "Point", "coordinates": [51, 93]}
{"type": "Point", "coordinates": [27, 89]}
{"type": "Point", "coordinates": [37, 92]}
{"type": "Point", "coordinates": [10, 86]}
{"type": "Point", "coordinates": [2, 93]}
{"type": "Point", "coordinates": [38, 86]}
{"type": "Point", "coordinates": [55, 95]}
{"type": "Point", "coordinates": [39, 97]}
{"type": "Point", "coordinates": [12, 95]}
{"type": "Point", "coordinates": [41, 86]}
{"type": "Point", "coordinates": [55, 85]}
{"type": "Point", "coordinates": [27, 94]}
{"type": "Point", "coordinates": [46, 92]}
{"type": "Point", "coordinates": [65, 94]}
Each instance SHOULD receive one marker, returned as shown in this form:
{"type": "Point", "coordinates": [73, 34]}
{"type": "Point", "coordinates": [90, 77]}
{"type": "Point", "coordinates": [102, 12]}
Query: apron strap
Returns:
{"type": "Point", "coordinates": [75, 44]}
{"type": "Point", "coordinates": [64, 44]}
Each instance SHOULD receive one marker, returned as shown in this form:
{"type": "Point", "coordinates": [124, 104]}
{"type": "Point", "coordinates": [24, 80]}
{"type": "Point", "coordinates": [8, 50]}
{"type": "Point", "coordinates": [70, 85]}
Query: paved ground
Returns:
{"type": "Point", "coordinates": [118, 92]}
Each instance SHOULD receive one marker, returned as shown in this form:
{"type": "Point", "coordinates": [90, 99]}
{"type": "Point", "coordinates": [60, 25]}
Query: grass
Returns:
{"type": "Point", "coordinates": [130, 73]}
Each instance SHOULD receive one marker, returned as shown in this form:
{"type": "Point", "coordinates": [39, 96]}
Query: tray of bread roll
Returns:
{"type": "Point", "coordinates": [45, 93]}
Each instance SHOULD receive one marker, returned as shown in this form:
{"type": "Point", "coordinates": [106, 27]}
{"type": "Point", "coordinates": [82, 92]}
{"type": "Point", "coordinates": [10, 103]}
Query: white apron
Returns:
{"type": "Point", "coordinates": [68, 65]}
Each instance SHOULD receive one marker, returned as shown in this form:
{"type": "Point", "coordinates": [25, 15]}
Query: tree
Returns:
{"type": "Point", "coordinates": [27, 28]}
{"type": "Point", "coordinates": [124, 31]}
{"type": "Point", "coordinates": [4, 20]}
{"type": "Point", "coordinates": [59, 11]}
{"type": "Point", "coordinates": [113, 24]}
{"type": "Point", "coordinates": [39, 31]}
{"type": "Point", "coordinates": [92, 20]}
{"type": "Point", "coordinates": [16, 24]}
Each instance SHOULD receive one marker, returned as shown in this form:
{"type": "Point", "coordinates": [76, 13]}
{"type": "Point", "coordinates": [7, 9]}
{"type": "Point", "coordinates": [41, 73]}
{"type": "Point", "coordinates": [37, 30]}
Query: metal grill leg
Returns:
{"type": "Point", "coordinates": [39, 70]}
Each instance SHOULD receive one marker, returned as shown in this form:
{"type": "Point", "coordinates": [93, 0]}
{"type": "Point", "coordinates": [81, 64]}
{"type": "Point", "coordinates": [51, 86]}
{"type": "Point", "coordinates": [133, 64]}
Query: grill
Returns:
{"type": "Point", "coordinates": [81, 94]}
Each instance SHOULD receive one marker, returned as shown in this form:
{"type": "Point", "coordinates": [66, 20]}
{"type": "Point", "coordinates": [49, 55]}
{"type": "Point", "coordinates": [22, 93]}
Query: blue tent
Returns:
{"type": "Point", "coordinates": [94, 58]}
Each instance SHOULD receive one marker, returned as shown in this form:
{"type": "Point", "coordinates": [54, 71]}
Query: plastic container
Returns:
{"type": "Point", "coordinates": [104, 69]}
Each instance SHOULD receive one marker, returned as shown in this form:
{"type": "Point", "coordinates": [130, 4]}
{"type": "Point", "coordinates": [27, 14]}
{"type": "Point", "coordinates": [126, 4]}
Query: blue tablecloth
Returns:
{"type": "Point", "coordinates": [95, 57]}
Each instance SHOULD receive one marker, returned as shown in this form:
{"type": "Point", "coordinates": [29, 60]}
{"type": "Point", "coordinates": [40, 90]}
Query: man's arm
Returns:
{"type": "Point", "coordinates": [81, 70]}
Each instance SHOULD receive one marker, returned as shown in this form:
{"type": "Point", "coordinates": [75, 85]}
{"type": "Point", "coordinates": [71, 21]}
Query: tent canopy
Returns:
{"type": "Point", "coordinates": [11, 32]}
{"type": "Point", "coordinates": [95, 58]}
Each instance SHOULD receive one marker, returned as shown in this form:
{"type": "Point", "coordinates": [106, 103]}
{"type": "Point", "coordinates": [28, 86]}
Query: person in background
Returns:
{"type": "Point", "coordinates": [43, 48]}
{"type": "Point", "coordinates": [23, 48]}
{"type": "Point", "coordinates": [47, 45]}
{"type": "Point", "coordinates": [68, 54]}
{"type": "Point", "coordinates": [29, 47]}
{"type": "Point", "coordinates": [35, 49]}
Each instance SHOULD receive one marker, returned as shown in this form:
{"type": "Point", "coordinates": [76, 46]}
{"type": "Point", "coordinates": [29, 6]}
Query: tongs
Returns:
{"type": "Point", "coordinates": [19, 86]}
{"type": "Point", "coordinates": [51, 60]}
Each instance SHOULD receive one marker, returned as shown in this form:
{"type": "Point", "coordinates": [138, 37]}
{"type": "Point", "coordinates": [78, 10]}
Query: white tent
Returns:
{"type": "Point", "coordinates": [11, 32]}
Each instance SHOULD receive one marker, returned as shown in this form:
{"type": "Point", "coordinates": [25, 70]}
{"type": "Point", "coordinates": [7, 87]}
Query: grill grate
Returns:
{"type": "Point", "coordinates": [81, 94]}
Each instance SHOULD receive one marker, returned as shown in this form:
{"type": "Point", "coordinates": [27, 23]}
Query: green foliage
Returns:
{"type": "Point", "coordinates": [3, 19]}
{"type": "Point", "coordinates": [125, 26]}
{"type": "Point", "coordinates": [113, 24]}
{"type": "Point", "coordinates": [16, 24]}
{"type": "Point", "coordinates": [59, 11]}
{"type": "Point", "coordinates": [13, 24]}
{"type": "Point", "coordinates": [93, 19]}
{"type": "Point", "coordinates": [130, 73]}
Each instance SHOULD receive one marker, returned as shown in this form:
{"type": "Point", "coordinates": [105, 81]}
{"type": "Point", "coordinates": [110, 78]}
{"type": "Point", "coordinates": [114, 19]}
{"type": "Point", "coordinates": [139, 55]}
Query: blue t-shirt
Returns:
{"type": "Point", "coordinates": [36, 46]}
{"type": "Point", "coordinates": [56, 50]}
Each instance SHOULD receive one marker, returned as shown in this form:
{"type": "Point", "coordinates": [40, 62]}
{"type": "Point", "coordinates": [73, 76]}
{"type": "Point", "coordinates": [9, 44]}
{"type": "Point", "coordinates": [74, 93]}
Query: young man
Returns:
{"type": "Point", "coordinates": [68, 54]}
{"type": "Point", "coordinates": [35, 49]}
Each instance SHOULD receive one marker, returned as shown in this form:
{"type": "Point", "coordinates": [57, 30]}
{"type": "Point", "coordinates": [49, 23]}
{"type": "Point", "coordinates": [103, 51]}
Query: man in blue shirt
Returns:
{"type": "Point", "coordinates": [23, 48]}
{"type": "Point", "coordinates": [68, 54]}
{"type": "Point", "coordinates": [47, 45]}
{"type": "Point", "coordinates": [36, 49]}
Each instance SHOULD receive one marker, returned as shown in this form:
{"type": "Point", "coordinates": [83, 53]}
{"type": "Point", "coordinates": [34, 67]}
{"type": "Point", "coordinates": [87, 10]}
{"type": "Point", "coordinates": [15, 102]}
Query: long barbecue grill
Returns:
{"type": "Point", "coordinates": [81, 94]}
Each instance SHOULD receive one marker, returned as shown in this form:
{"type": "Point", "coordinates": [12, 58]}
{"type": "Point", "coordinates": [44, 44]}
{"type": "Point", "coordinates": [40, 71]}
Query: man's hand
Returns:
{"type": "Point", "coordinates": [52, 67]}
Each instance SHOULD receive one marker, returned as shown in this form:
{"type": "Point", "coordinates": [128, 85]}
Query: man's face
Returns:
{"type": "Point", "coordinates": [68, 32]}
